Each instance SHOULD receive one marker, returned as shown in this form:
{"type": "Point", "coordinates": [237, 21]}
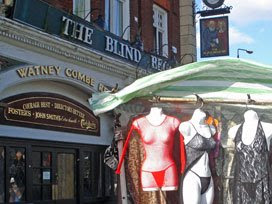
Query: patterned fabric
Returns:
{"type": "Point", "coordinates": [252, 179]}
{"type": "Point", "coordinates": [196, 147]}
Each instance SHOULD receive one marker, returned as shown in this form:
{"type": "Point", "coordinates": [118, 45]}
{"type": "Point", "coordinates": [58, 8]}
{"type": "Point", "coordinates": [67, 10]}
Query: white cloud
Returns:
{"type": "Point", "coordinates": [248, 11]}
{"type": "Point", "coordinates": [237, 37]}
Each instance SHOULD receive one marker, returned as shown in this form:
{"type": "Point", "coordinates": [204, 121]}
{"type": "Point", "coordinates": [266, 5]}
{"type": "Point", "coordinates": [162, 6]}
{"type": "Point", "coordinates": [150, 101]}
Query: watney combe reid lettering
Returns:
{"type": "Point", "coordinates": [31, 71]}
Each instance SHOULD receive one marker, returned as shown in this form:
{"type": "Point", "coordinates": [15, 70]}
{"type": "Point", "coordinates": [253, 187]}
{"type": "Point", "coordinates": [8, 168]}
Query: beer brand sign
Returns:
{"type": "Point", "coordinates": [52, 112]}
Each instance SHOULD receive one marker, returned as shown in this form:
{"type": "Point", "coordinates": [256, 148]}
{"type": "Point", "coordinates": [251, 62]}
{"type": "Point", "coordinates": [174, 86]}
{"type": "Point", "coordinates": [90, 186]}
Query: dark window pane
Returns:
{"type": "Point", "coordinates": [46, 193]}
{"type": "Point", "coordinates": [87, 174]}
{"type": "Point", "coordinates": [96, 173]}
{"type": "Point", "coordinates": [46, 159]}
{"type": "Point", "coordinates": [36, 192]}
{"type": "Point", "coordinates": [16, 167]}
{"type": "Point", "coordinates": [36, 176]}
{"type": "Point", "coordinates": [108, 182]}
{"type": "Point", "coordinates": [36, 159]}
{"type": "Point", "coordinates": [2, 175]}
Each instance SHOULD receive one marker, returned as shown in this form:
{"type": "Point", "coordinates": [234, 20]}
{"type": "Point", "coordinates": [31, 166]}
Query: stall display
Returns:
{"type": "Point", "coordinates": [157, 132]}
{"type": "Point", "coordinates": [199, 141]}
{"type": "Point", "coordinates": [252, 172]}
{"type": "Point", "coordinates": [237, 94]}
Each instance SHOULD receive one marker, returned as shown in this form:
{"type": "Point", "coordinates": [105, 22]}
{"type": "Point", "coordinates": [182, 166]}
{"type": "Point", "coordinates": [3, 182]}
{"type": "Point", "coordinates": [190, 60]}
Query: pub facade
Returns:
{"type": "Point", "coordinates": [52, 58]}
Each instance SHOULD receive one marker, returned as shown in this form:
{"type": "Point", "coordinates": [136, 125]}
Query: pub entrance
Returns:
{"type": "Point", "coordinates": [54, 175]}
{"type": "Point", "coordinates": [38, 174]}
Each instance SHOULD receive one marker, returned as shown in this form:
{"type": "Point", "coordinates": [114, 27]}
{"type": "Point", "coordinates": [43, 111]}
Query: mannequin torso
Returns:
{"type": "Point", "coordinates": [189, 129]}
{"type": "Point", "coordinates": [252, 159]}
{"type": "Point", "coordinates": [198, 139]}
{"type": "Point", "coordinates": [249, 128]}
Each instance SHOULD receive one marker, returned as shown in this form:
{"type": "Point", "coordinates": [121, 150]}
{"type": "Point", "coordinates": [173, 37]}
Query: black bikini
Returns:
{"type": "Point", "coordinates": [204, 182]}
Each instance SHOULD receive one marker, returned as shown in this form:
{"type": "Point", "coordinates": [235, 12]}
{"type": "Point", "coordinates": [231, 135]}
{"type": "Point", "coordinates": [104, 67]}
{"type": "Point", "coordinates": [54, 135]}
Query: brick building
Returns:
{"type": "Point", "coordinates": [53, 55]}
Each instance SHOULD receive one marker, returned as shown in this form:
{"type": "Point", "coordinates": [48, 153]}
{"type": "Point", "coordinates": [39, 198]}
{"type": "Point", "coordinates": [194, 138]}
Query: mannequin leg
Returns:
{"type": "Point", "coordinates": [208, 196]}
{"type": "Point", "coordinates": [191, 189]}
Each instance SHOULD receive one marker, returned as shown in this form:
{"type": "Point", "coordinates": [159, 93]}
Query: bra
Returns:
{"type": "Point", "coordinates": [201, 143]}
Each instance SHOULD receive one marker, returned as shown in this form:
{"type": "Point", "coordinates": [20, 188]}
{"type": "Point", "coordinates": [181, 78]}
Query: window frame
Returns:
{"type": "Point", "coordinates": [87, 9]}
{"type": "Point", "coordinates": [163, 29]}
{"type": "Point", "coordinates": [111, 19]}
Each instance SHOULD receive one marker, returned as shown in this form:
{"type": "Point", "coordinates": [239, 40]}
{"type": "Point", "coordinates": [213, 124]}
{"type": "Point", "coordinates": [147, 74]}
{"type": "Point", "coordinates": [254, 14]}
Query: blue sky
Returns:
{"type": "Point", "coordinates": [250, 27]}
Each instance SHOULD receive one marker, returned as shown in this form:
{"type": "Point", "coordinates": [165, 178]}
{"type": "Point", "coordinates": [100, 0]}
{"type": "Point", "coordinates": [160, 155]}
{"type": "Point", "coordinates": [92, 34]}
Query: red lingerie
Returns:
{"type": "Point", "coordinates": [159, 168]}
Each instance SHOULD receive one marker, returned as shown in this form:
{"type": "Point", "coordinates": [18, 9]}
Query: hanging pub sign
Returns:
{"type": "Point", "coordinates": [51, 112]}
{"type": "Point", "coordinates": [214, 37]}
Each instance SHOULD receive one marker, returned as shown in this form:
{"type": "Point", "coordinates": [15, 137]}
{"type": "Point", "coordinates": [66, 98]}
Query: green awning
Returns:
{"type": "Point", "coordinates": [226, 79]}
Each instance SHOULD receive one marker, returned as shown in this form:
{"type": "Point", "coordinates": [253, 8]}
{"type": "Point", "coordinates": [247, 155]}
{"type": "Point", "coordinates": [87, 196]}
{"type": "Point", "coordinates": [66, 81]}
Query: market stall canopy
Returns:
{"type": "Point", "coordinates": [225, 79]}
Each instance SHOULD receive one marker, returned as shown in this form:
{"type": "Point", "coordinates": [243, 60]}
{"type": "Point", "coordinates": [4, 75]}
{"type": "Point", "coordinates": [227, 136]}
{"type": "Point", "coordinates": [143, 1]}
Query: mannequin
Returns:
{"type": "Point", "coordinates": [157, 132]}
{"type": "Point", "coordinates": [252, 169]}
{"type": "Point", "coordinates": [197, 183]}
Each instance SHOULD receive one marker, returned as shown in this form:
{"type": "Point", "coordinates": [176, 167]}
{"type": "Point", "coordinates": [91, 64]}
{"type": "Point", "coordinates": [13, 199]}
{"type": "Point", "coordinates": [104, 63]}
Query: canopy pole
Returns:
{"type": "Point", "coordinates": [224, 101]}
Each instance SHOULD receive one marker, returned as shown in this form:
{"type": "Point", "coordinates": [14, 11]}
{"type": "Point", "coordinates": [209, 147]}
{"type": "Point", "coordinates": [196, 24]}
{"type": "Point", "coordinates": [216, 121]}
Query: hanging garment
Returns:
{"type": "Point", "coordinates": [195, 149]}
{"type": "Point", "coordinates": [252, 180]}
{"type": "Point", "coordinates": [158, 169]}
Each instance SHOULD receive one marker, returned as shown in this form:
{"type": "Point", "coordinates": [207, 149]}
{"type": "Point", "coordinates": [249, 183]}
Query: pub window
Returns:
{"type": "Point", "coordinates": [16, 169]}
{"type": "Point", "coordinates": [42, 169]}
{"type": "Point", "coordinates": [117, 17]}
{"type": "Point", "coordinates": [2, 174]}
{"type": "Point", "coordinates": [98, 178]}
{"type": "Point", "coordinates": [160, 31]}
{"type": "Point", "coordinates": [82, 9]}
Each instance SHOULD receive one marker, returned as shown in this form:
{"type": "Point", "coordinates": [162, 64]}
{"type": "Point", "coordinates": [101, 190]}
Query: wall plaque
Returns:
{"type": "Point", "coordinates": [49, 111]}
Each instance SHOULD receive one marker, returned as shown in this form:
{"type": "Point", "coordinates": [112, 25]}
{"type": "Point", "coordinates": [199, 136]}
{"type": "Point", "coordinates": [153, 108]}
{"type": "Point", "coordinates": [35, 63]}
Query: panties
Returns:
{"type": "Point", "coordinates": [204, 181]}
{"type": "Point", "coordinates": [159, 176]}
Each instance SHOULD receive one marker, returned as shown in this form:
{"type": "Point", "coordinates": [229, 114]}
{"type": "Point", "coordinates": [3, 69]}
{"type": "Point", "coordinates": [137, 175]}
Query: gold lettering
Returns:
{"type": "Point", "coordinates": [40, 115]}
{"type": "Point", "coordinates": [37, 69]}
{"type": "Point", "coordinates": [74, 74]}
{"type": "Point", "coordinates": [22, 72]}
{"type": "Point", "coordinates": [81, 76]}
{"type": "Point", "coordinates": [50, 70]}
{"type": "Point", "coordinates": [87, 124]}
{"type": "Point", "coordinates": [57, 70]}
{"type": "Point", "coordinates": [31, 72]}
{"type": "Point", "coordinates": [31, 105]}
{"type": "Point", "coordinates": [20, 112]}
{"type": "Point", "coordinates": [68, 72]}
{"type": "Point", "coordinates": [44, 70]}
{"type": "Point", "coordinates": [45, 104]}
{"type": "Point", "coordinates": [53, 117]}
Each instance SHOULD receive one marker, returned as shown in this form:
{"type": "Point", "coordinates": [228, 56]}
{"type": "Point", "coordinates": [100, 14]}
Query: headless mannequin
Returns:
{"type": "Point", "coordinates": [250, 128]}
{"type": "Point", "coordinates": [155, 118]}
{"type": "Point", "coordinates": [252, 165]}
{"type": "Point", "coordinates": [157, 132]}
{"type": "Point", "coordinates": [191, 190]}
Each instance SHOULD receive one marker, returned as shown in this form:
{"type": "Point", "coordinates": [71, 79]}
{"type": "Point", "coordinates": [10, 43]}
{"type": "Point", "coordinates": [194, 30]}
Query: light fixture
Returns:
{"type": "Point", "coordinates": [247, 51]}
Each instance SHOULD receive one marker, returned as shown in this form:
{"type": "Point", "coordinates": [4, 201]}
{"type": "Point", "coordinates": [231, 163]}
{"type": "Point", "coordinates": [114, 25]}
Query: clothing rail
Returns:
{"type": "Point", "coordinates": [225, 101]}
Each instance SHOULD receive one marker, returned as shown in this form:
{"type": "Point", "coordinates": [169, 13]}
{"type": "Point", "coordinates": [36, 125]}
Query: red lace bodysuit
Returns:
{"type": "Point", "coordinates": [158, 169]}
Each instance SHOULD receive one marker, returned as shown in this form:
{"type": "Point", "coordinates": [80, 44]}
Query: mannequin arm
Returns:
{"type": "Point", "coordinates": [124, 150]}
{"type": "Point", "coordinates": [182, 154]}
{"type": "Point", "coordinates": [232, 131]}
